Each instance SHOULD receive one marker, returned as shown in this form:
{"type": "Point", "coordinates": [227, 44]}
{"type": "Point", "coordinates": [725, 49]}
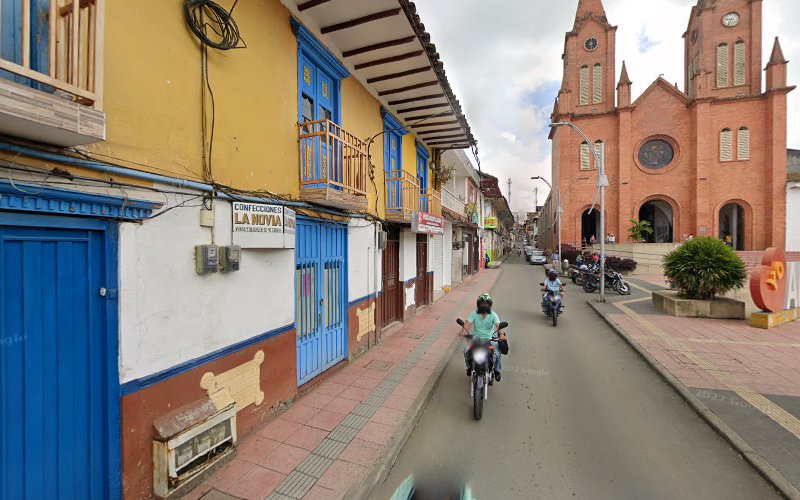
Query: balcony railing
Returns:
{"type": "Point", "coordinates": [56, 47]}
{"type": "Point", "coordinates": [402, 195]}
{"type": "Point", "coordinates": [333, 165]}
{"type": "Point", "coordinates": [451, 202]}
{"type": "Point", "coordinates": [431, 201]}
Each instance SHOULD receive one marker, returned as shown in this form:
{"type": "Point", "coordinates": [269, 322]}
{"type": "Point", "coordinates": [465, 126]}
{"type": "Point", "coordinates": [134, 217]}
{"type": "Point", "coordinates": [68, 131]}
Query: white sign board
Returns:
{"type": "Point", "coordinates": [257, 225]}
{"type": "Point", "coordinates": [289, 225]}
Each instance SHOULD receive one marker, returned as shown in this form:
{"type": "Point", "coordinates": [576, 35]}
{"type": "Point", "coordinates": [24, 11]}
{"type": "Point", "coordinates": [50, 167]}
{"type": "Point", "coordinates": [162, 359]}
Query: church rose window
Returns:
{"type": "Point", "coordinates": [656, 154]}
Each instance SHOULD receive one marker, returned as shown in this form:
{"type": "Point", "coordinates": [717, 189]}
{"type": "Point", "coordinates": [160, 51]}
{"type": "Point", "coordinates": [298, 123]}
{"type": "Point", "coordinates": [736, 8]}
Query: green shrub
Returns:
{"type": "Point", "coordinates": [704, 268]}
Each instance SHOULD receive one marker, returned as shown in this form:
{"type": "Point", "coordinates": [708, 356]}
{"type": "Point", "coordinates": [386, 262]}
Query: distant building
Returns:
{"type": "Point", "coordinates": [793, 200]}
{"type": "Point", "coordinates": [706, 160]}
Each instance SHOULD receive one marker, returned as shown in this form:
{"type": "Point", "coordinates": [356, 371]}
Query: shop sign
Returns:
{"type": "Point", "coordinates": [774, 285]}
{"type": "Point", "coordinates": [258, 225]}
{"type": "Point", "coordinates": [425, 223]}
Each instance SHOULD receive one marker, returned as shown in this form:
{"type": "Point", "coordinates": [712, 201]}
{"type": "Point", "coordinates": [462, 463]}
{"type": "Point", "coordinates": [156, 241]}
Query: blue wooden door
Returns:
{"type": "Point", "coordinates": [58, 409]}
{"type": "Point", "coordinates": [422, 177]}
{"type": "Point", "coordinates": [393, 167]}
{"type": "Point", "coordinates": [320, 297]}
{"type": "Point", "coordinates": [318, 100]}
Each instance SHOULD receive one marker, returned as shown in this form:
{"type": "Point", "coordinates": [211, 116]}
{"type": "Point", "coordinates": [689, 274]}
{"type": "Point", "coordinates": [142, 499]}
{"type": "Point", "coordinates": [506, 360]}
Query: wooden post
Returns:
{"type": "Point", "coordinates": [26, 33]}
{"type": "Point", "coordinates": [75, 43]}
{"type": "Point", "coordinates": [53, 38]}
{"type": "Point", "coordinates": [99, 44]}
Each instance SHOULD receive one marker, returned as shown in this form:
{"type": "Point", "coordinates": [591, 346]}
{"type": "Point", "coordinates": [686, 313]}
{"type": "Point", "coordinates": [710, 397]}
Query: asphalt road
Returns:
{"type": "Point", "coordinates": [577, 415]}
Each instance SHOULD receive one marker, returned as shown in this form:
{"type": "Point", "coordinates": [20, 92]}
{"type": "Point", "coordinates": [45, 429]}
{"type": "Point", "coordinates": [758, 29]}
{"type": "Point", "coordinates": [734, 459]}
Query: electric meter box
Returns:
{"type": "Point", "coordinates": [229, 258]}
{"type": "Point", "coordinates": [383, 236]}
{"type": "Point", "coordinates": [206, 259]}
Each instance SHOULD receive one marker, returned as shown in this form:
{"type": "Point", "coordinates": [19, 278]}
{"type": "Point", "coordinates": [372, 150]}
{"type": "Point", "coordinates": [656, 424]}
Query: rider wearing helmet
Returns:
{"type": "Point", "coordinates": [552, 284]}
{"type": "Point", "coordinates": [481, 324]}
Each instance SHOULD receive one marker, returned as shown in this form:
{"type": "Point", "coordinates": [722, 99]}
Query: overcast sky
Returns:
{"type": "Point", "coordinates": [503, 60]}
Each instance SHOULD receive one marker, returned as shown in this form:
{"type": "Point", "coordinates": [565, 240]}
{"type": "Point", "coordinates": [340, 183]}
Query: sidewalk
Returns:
{"type": "Point", "coordinates": [351, 427]}
{"type": "Point", "coordinates": [744, 381]}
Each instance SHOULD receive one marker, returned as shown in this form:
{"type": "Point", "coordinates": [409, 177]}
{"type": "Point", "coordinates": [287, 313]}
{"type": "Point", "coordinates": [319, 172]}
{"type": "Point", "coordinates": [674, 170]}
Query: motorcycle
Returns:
{"type": "Point", "coordinates": [582, 272]}
{"type": "Point", "coordinates": [553, 305]}
{"type": "Point", "coordinates": [614, 281]}
{"type": "Point", "coordinates": [482, 357]}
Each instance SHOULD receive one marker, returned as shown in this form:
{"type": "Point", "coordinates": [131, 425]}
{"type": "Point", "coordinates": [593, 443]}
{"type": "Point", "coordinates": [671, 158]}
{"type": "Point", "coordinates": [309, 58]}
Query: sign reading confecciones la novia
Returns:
{"type": "Point", "coordinates": [425, 223]}
{"type": "Point", "coordinates": [775, 284]}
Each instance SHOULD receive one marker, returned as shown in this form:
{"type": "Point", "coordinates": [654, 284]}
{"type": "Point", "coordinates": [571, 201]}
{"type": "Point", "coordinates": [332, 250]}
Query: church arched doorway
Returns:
{"type": "Point", "coordinates": [590, 226]}
{"type": "Point", "coordinates": [661, 217]}
{"type": "Point", "coordinates": [731, 225]}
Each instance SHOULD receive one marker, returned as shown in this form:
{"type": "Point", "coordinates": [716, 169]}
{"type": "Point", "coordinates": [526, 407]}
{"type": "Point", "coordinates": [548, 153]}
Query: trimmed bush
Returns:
{"type": "Point", "coordinates": [620, 264]}
{"type": "Point", "coordinates": [703, 268]}
{"type": "Point", "coordinates": [570, 253]}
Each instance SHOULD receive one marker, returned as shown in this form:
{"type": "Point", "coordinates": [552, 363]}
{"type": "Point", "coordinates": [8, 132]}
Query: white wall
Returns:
{"type": "Point", "coordinates": [447, 255]}
{"type": "Point", "coordinates": [408, 255]}
{"type": "Point", "coordinates": [169, 314]}
{"type": "Point", "coordinates": [363, 267]}
{"type": "Point", "coordinates": [793, 216]}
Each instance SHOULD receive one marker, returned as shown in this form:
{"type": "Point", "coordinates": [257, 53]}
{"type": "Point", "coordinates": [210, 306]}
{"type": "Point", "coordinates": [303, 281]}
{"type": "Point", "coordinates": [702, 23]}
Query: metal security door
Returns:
{"type": "Point", "coordinates": [320, 297]}
{"type": "Point", "coordinates": [59, 412]}
{"type": "Point", "coordinates": [391, 286]}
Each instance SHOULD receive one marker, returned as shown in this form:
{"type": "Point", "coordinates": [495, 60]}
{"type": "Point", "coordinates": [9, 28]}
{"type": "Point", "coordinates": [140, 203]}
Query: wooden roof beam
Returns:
{"type": "Point", "coordinates": [431, 132]}
{"type": "Point", "coordinates": [425, 117]}
{"type": "Point", "coordinates": [415, 99]}
{"type": "Point", "coordinates": [310, 3]}
{"type": "Point", "coordinates": [392, 76]}
{"type": "Point", "coordinates": [438, 124]}
{"type": "Point", "coordinates": [360, 20]}
{"type": "Point", "coordinates": [378, 46]}
{"type": "Point", "coordinates": [421, 108]}
{"type": "Point", "coordinates": [387, 60]}
{"type": "Point", "coordinates": [410, 87]}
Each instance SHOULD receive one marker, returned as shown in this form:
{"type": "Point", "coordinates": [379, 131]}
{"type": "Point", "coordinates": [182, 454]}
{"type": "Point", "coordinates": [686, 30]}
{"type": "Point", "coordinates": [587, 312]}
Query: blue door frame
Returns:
{"type": "Point", "coordinates": [320, 296]}
{"type": "Point", "coordinates": [86, 447]}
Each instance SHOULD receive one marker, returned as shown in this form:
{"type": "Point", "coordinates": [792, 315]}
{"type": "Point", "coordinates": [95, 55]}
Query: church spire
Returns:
{"type": "Point", "coordinates": [624, 88]}
{"type": "Point", "coordinates": [623, 77]}
{"type": "Point", "coordinates": [777, 53]}
{"type": "Point", "coordinates": [588, 9]}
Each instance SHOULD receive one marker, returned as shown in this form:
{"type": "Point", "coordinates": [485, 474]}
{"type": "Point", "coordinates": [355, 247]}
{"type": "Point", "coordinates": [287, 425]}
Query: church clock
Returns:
{"type": "Point", "coordinates": [730, 20]}
{"type": "Point", "coordinates": [590, 44]}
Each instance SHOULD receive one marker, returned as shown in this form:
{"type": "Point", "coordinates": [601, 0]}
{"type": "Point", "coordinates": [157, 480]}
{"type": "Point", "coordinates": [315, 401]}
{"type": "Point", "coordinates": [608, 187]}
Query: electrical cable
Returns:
{"type": "Point", "coordinates": [219, 20]}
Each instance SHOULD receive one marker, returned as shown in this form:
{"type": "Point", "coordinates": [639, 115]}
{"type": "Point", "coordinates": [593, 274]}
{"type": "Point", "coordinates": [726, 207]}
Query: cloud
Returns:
{"type": "Point", "coordinates": [504, 63]}
{"type": "Point", "coordinates": [644, 42]}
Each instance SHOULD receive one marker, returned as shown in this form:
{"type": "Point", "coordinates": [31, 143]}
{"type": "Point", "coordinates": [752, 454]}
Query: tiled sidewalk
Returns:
{"type": "Point", "coordinates": [748, 377]}
{"type": "Point", "coordinates": [326, 443]}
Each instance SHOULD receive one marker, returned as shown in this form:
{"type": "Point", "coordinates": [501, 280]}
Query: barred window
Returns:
{"type": "Point", "coordinates": [585, 153]}
{"type": "Point", "coordinates": [743, 144]}
{"type": "Point", "coordinates": [726, 145]}
{"type": "Point", "coordinates": [584, 85]}
{"type": "Point", "coordinates": [597, 83]}
{"type": "Point", "coordinates": [722, 65]}
{"type": "Point", "coordinates": [739, 60]}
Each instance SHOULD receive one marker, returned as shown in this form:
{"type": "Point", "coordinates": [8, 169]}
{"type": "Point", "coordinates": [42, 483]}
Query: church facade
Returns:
{"type": "Point", "coordinates": [704, 159]}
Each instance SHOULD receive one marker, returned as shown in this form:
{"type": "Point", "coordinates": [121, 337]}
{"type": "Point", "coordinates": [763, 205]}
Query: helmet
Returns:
{"type": "Point", "coordinates": [552, 275]}
{"type": "Point", "coordinates": [485, 298]}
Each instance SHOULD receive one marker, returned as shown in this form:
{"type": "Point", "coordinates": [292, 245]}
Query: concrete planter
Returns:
{"type": "Point", "coordinates": [719, 308]}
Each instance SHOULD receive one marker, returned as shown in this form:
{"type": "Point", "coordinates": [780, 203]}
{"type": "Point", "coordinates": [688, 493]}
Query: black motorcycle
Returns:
{"type": "Point", "coordinates": [553, 305]}
{"type": "Point", "coordinates": [482, 358]}
{"type": "Point", "coordinates": [614, 282]}
{"type": "Point", "coordinates": [580, 274]}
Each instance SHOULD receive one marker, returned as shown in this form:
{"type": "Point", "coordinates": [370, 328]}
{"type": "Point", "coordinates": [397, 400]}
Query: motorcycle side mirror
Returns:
{"type": "Point", "coordinates": [541, 284]}
{"type": "Point", "coordinates": [503, 325]}
{"type": "Point", "coordinates": [460, 322]}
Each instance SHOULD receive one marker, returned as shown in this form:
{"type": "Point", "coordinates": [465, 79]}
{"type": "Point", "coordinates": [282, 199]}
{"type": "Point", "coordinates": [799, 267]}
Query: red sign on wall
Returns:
{"type": "Point", "coordinates": [768, 282]}
{"type": "Point", "coordinates": [425, 223]}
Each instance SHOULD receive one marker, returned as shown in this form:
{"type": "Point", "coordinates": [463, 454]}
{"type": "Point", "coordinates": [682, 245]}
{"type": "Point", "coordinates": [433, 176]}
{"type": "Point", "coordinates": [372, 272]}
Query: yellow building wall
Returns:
{"type": "Point", "coordinates": [152, 95]}
{"type": "Point", "coordinates": [361, 116]}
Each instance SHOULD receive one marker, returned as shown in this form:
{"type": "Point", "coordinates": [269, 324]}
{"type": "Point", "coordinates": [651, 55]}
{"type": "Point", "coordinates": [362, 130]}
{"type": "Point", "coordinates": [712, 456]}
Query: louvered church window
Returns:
{"type": "Point", "coordinates": [743, 146]}
{"type": "Point", "coordinates": [585, 152]}
{"type": "Point", "coordinates": [739, 60]}
{"type": "Point", "coordinates": [585, 85]}
{"type": "Point", "coordinates": [726, 145]}
{"type": "Point", "coordinates": [597, 83]}
{"type": "Point", "coordinates": [722, 65]}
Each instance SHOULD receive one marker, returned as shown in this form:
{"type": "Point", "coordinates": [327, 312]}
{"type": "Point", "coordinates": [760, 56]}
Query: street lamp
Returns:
{"type": "Point", "coordinates": [602, 182]}
{"type": "Point", "coordinates": [559, 211]}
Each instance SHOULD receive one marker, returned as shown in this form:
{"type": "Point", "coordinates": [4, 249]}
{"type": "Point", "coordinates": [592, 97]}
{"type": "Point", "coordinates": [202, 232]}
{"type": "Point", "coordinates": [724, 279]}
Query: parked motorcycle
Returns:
{"type": "Point", "coordinates": [553, 305]}
{"type": "Point", "coordinates": [582, 272]}
{"type": "Point", "coordinates": [482, 358]}
{"type": "Point", "coordinates": [614, 282]}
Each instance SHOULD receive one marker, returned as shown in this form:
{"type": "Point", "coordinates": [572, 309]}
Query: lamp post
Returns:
{"type": "Point", "coordinates": [602, 182]}
{"type": "Point", "coordinates": [559, 211]}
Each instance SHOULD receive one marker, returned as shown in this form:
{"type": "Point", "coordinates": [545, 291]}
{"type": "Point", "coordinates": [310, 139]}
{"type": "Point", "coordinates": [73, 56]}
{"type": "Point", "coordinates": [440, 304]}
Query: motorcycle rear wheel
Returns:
{"type": "Point", "coordinates": [589, 287]}
{"type": "Point", "coordinates": [477, 403]}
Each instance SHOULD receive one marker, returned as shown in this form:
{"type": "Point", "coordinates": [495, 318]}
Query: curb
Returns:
{"type": "Point", "coordinates": [381, 471]}
{"type": "Point", "coordinates": [785, 487]}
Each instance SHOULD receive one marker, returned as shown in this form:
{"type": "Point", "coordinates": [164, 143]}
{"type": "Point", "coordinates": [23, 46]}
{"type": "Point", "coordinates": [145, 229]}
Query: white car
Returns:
{"type": "Point", "coordinates": [537, 258]}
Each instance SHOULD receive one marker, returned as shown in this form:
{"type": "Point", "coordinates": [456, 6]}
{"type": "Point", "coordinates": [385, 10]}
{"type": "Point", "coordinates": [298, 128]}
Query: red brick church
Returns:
{"type": "Point", "coordinates": [707, 159]}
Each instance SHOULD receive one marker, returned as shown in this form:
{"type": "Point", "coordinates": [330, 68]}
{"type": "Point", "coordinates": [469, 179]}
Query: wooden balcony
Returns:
{"type": "Point", "coordinates": [402, 196]}
{"type": "Point", "coordinates": [51, 72]}
{"type": "Point", "coordinates": [431, 201]}
{"type": "Point", "coordinates": [60, 48]}
{"type": "Point", "coordinates": [333, 166]}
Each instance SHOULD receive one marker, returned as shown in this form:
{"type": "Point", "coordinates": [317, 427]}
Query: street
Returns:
{"type": "Point", "coordinates": [577, 415]}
